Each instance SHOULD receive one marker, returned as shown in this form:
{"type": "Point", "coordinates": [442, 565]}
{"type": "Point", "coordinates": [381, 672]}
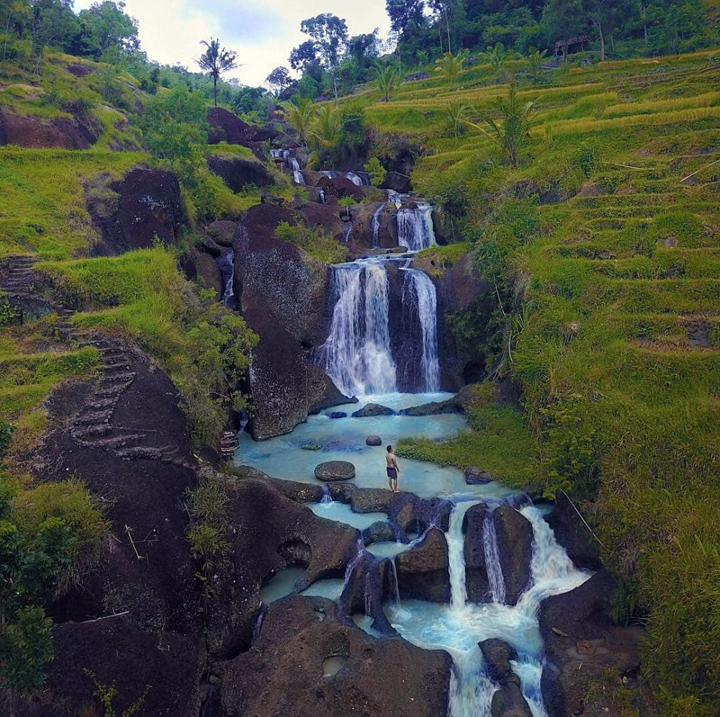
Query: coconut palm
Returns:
{"type": "Point", "coordinates": [387, 82]}
{"type": "Point", "coordinates": [534, 64]}
{"type": "Point", "coordinates": [513, 130]}
{"type": "Point", "coordinates": [326, 129]}
{"type": "Point", "coordinates": [450, 66]}
{"type": "Point", "coordinates": [456, 115]}
{"type": "Point", "coordinates": [497, 57]}
{"type": "Point", "coordinates": [300, 116]}
{"type": "Point", "coordinates": [216, 60]}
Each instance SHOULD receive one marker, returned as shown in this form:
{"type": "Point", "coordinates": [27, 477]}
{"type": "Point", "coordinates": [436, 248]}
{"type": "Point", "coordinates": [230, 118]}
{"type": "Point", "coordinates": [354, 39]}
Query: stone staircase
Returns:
{"type": "Point", "coordinates": [94, 426]}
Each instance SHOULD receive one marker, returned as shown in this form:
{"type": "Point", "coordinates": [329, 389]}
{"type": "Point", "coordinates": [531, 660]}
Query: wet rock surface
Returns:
{"type": "Point", "coordinates": [268, 532]}
{"type": "Point", "coordinates": [497, 656]}
{"type": "Point", "coordinates": [477, 476]}
{"type": "Point", "coordinates": [508, 701]}
{"type": "Point", "coordinates": [373, 441]}
{"type": "Point", "coordinates": [514, 538]}
{"type": "Point", "coordinates": [379, 532]}
{"type": "Point", "coordinates": [239, 173]}
{"type": "Point", "coordinates": [573, 534]}
{"type": "Point", "coordinates": [423, 572]}
{"type": "Point", "coordinates": [283, 672]}
{"type": "Point", "coordinates": [434, 408]}
{"type": "Point", "coordinates": [373, 409]}
{"type": "Point", "coordinates": [332, 471]}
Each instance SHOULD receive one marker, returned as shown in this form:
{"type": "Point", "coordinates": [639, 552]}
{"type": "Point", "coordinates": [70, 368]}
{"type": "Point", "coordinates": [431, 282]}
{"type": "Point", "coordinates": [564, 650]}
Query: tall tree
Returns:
{"type": "Point", "coordinates": [563, 19]}
{"type": "Point", "coordinates": [599, 13]}
{"type": "Point", "coordinates": [215, 61]}
{"type": "Point", "coordinates": [329, 34]}
{"type": "Point", "coordinates": [105, 25]}
{"type": "Point", "coordinates": [405, 15]}
{"type": "Point", "coordinates": [279, 79]}
{"type": "Point", "coordinates": [52, 22]}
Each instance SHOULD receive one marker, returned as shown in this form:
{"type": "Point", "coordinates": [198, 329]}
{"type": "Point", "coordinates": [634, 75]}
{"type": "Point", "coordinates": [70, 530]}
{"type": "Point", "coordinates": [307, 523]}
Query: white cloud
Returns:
{"type": "Point", "coordinates": [262, 32]}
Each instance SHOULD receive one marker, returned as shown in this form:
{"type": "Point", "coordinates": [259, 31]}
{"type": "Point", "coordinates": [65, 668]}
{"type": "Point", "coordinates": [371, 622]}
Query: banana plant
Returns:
{"type": "Point", "coordinates": [450, 66]}
{"type": "Point", "coordinates": [300, 116]}
{"type": "Point", "coordinates": [387, 82]}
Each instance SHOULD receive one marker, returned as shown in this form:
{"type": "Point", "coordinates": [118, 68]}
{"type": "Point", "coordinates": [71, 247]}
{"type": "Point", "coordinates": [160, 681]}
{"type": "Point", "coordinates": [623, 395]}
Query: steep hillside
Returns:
{"type": "Point", "coordinates": [602, 245]}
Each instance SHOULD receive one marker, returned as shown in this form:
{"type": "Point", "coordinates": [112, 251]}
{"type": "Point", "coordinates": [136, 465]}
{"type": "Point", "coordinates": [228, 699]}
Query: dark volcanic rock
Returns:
{"type": "Point", "coordinates": [200, 265]}
{"type": "Point", "coordinates": [332, 471]}
{"type": "Point", "coordinates": [283, 673]}
{"type": "Point", "coordinates": [164, 667]}
{"type": "Point", "coordinates": [423, 572]}
{"type": "Point", "coordinates": [341, 187]}
{"type": "Point", "coordinates": [400, 183]}
{"type": "Point", "coordinates": [282, 297]}
{"type": "Point", "coordinates": [476, 579]}
{"type": "Point", "coordinates": [338, 414]}
{"type": "Point", "coordinates": [223, 232]}
{"type": "Point", "coordinates": [239, 173]}
{"type": "Point", "coordinates": [415, 515]}
{"type": "Point", "coordinates": [268, 532]}
{"type": "Point", "coordinates": [514, 538]}
{"type": "Point", "coordinates": [322, 215]}
{"type": "Point", "coordinates": [299, 492]}
{"type": "Point", "coordinates": [508, 701]}
{"type": "Point", "coordinates": [477, 476]}
{"type": "Point", "coordinates": [583, 646]}
{"type": "Point", "coordinates": [514, 541]}
{"type": "Point", "coordinates": [149, 207]}
{"type": "Point", "coordinates": [79, 70]}
{"type": "Point", "coordinates": [497, 655]}
{"type": "Point", "coordinates": [573, 534]}
{"type": "Point", "coordinates": [379, 532]}
{"type": "Point", "coordinates": [226, 127]}
{"type": "Point", "coordinates": [373, 441]}
{"type": "Point", "coordinates": [373, 409]}
{"type": "Point", "coordinates": [435, 408]}
{"type": "Point", "coordinates": [36, 132]}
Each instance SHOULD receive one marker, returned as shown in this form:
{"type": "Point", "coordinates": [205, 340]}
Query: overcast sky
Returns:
{"type": "Point", "coordinates": [262, 32]}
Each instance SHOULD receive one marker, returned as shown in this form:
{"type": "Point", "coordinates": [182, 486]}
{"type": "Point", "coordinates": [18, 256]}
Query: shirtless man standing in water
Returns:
{"type": "Point", "coordinates": [393, 470]}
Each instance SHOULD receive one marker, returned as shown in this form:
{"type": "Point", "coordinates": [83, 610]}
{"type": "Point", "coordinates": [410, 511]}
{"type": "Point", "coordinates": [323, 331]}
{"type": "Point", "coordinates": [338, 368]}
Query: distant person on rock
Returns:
{"type": "Point", "coordinates": [393, 469]}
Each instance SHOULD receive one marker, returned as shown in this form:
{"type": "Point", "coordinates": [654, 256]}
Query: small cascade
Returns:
{"type": "Point", "coordinates": [395, 594]}
{"type": "Point", "coordinates": [415, 227]}
{"type": "Point", "coordinates": [375, 225]}
{"type": "Point", "coordinates": [354, 178]}
{"type": "Point", "coordinates": [492, 560]}
{"type": "Point", "coordinates": [298, 177]}
{"type": "Point", "coordinates": [357, 354]}
{"type": "Point", "coordinates": [347, 225]}
{"type": "Point", "coordinates": [326, 497]}
{"type": "Point", "coordinates": [456, 557]}
{"type": "Point", "coordinates": [294, 164]}
{"type": "Point", "coordinates": [258, 623]}
{"type": "Point", "coordinates": [394, 197]}
{"type": "Point", "coordinates": [226, 264]}
{"type": "Point", "coordinates": [420, 290]}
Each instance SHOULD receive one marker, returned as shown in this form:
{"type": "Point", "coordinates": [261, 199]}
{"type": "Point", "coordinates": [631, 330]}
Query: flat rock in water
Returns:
{"type": "Point", "coordinates": [477, 476]}
{"type": "Point", "coordinates": [335, 471]}
{"type": "Point", "coordinates": [435, 408]}
{"type": "Point", "coordinates": [373, 441]}
{"type": "Point", "coordinates": [338, 414]}
{"type": "Point", "coordinates": [373, 409]}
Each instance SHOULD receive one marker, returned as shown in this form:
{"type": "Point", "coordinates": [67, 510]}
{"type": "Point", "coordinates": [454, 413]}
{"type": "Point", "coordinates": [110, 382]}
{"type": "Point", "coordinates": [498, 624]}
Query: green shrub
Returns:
{"type": "Point", "coordinates": [312, 240]}
{"type": "Point", "coordinates": [377, 172]}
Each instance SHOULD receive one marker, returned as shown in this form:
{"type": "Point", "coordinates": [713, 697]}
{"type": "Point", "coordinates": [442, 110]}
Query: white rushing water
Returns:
{"type": "Point", "coordinates": [375, 225]}
{"type": "Point", "coordinates": [458, 627]}
{"type": "Point", "coordinates": [496, 579]}
{"type": "Point", "coordinates": [423, 295]}
{"type": "Point", "coordinates": [357, 354]}
{"type": "Point", "coordinates": [415, 227]}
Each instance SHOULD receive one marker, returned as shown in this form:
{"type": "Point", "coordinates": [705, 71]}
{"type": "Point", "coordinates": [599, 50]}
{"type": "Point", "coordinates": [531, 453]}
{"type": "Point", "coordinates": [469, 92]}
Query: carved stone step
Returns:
{"type": "Point", "coordinates": [94, 418]}
{"type": "Point", "coordinates": [91, 432]}
{"type": "Point", "coordinates": [139, 453]}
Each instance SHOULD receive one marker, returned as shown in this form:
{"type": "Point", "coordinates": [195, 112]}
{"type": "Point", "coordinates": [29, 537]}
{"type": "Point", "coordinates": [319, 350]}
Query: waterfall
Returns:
{"type": "Point", "coordinates": [456, 557]}
{"type": "Point", "coordinates": [354, 178]}
{"type": "Point", "coordinates": [226, 264]}
{"type": "Point", "coordinates": [421, 292]}
{"type": "Point", "coordinates": [294, 164]}
{"type": "Point", "coordinates": [258, 623]}
{"type": "Point", "coordinates": [395, 595]}
{"type": "Point", "coordinates": [326, 497]}
{"type": "Point", "coordinates": [375, 225]}
{"type": "Point", "coordinates": [298, 177]}
{"type": "Point", "coordinates": [495, 575]}
{"type": "Point", "coordinates": [357, 354]}
{"type": "Point", "coordinates": [415, 227]}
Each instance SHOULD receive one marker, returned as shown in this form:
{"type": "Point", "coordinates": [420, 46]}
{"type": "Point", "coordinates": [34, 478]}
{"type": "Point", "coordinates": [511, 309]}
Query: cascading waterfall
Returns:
{"type": "Point", "coordinates": [226, 264]}
{"type": "Point", "coordinates": [421, 291]}
{"type": "Point", "coordinates": [375, 225]}
{"type": "Point", "coordinates": [495, 575]}
{"type": "Point", "coordinates": [415, 227]}
{"type": "Point", "coordinates": [357, 354]}
{"type": "Point", "coordinates": [326, 497]}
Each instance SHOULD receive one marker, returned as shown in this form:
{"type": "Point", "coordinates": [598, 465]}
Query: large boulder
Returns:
{"type": "Point", "coordinates": [412, 514]}
{"type": "Point", "coordinates": [149, 207]}
{"type": "Point", "coordinates": [371, 410]}
{"type": "Point", "coordinates": [514, 539]}
{"type": "Point", "coordinates": [226, 127]}
{"type": "Point", "coordinates": [434, 408]}
{"type": "Point", "coordinates": [158, 672]}
{"type": "Point", "coordinates": [423, 572]}
{"type": "Point", "coordinates": [583, 646]}
{"type": "Point", "coordinates": [56, 133]}
{"type": "Point", "coordinates": [239, 173]}
{"type": "Point", "coordinates": [514, 536]}
{"type": "Point", "coordinates": [400, 183]}
{"type": "Point", "coordinates": [332, 471]}
{"type": "Point", "coordinates": [374, 225]}
{"type": "Point", "coordinates": [200, 265]}
{"type": "Point", "coordinates": [572, 533]}
{"type": "Point", "coordinates": [340, 187]}
{"type": "Point", "coordinates": [282, 297]}
{"type": "Point", "coordinates": [323, 216]}
{"type": "Point", "coordinates": [497, 656]}
{"type": "Point", "coordinates": [307, 662]}
{"type": "Point", "coordinates": [268, 532]}
{"type": "Point", "coordinates": [508, 701]}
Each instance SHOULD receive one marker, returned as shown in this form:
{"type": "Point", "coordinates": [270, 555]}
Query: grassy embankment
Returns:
{"type": "Point", "coordinates": [603, 244]}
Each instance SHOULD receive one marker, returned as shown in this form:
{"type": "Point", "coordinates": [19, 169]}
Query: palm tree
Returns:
{"type": "Point", "coordinates": [327, 126]}
{"type": "Point", "coordinates": [450, 66]}
{"type": "Point", "coordinates": [216, 60]}
{"type": "Point", "coordinates": [535, 63]}
{"type": "Point", "coordinates": [387, 82]}
{"type": "Point", "coordinates": [456, 116]}
{"type": "Point", "coordinates": [300, 116]}
{"type": "Point", "coordinates": [496, 56]}
{"type": "Point", "coordinates": [514, 129]}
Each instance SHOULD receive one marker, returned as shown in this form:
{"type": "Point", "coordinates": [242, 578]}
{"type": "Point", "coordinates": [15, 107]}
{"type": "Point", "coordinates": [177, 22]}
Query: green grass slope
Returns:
{"type": "Point", "coordinates": [603, 244]}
